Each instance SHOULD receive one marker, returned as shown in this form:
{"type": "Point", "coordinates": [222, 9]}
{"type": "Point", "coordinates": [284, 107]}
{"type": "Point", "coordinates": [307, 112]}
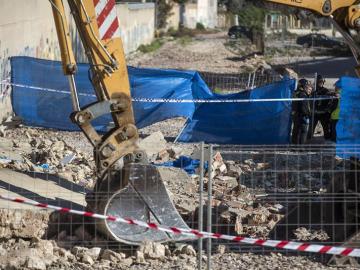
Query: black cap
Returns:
{"type": "Point", "coordinates": [303, 82]}
{"type": "Point", "coordinates": [320, 78]}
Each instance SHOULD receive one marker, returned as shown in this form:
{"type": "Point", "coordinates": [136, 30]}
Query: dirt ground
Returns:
{"type": "Point", "coordinates": [201, 53]}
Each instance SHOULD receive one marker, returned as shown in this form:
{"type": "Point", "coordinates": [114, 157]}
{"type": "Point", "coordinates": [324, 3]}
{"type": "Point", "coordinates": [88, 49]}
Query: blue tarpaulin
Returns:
{"type": "Point", "coordinates": [244, 123]}
{"type": "Point", "coordinates": [47, 103]}
{"type": "Point", "coordinates": [186, 163]}
{"type": "Point", "coordinates": [348, 127]}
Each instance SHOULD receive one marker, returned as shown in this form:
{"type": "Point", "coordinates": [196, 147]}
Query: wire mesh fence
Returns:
{"type": "Point", "coordinates": [230, 83]}
{"type": "Point", "coordinates": [287, 193]}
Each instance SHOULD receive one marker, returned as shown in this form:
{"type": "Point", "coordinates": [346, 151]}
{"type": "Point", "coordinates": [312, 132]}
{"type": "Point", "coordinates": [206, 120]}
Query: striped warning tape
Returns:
{"type": "Point", "coordinates": [169, 100]}
{"type": "Point", "coordinates": [290, 245]}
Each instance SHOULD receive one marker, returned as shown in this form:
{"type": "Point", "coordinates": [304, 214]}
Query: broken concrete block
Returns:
{"type": "Point", "coordinates": [163, 156]}
{"type": "Point", "coordinates": [153, 144]}
{"type": "Point", "coordinates": [233, 170]}
{"type": "Point", "coordinates": [221, 249]}
{"type": "Point", "coordinates": [230, 182]}
{"type": "Point", "coordinates": [86, 258]}
{"type": "Point", "coordinates": [35, 263]}
{"type": "Point", "coordinates": [152, 250]}
{"type": "Point", "coordinates": [112, 256]}
{"type": "Point", "coordinates": [2, 131]}
{"type": "Point", "coordinates": [185, 250]}
{"type": "Point", "coordinates": [94, 253]}
{"type": "Point", "coordinates": [139, 257]}
{"type": "Point", "coordinates": [175, 152]}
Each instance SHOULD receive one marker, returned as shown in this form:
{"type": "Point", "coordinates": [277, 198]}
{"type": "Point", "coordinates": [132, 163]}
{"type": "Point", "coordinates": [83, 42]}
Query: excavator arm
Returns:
{"type": "Point", "coordinates": [127, 185]}
{"type": "Point", "coordinates": [98, 28]}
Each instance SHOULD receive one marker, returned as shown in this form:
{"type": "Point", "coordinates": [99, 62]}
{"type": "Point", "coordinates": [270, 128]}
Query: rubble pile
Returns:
{"type": "Point", "coordinates": [303, 234]}
{"type": "Point", "coordinates": [236, 206]}
{"type": "Point", "coordinates": [38, 254]}
{"type": "Point", "coordinates": [52, 154]}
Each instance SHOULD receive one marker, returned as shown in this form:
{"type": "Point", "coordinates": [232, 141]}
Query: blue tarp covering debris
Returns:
{"type": "Point", "coordinates": [348, 127]}
{"type": "Point", "coordinates": [186, 163]}
{"type": "Point", "coordinates": [47, 103]}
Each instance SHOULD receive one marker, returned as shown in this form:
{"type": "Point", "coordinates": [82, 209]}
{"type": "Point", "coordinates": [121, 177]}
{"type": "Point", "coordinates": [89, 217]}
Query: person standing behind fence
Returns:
{"type": "Point", "coordinates": [322, 111]}
{"type": "Point", "coordinates": [336, 111]}
{"type": "Point", "coordinates": [301, 111]}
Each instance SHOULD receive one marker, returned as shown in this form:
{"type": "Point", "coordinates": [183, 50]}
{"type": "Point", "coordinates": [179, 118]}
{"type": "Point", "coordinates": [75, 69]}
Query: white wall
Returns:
{"type": "Point", "coordinates": [137, 24]}
{"type": "Point", "coordinates": [26, 28]}
{"type": "Point", "coordinates": [207, 13]}
{"type": "Point", "coordinates": [203, 11]}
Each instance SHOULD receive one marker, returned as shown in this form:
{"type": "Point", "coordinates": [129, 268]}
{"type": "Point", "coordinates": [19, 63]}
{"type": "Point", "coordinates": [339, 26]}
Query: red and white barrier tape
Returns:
{"type": "Point", "coordinates": [306, 247]}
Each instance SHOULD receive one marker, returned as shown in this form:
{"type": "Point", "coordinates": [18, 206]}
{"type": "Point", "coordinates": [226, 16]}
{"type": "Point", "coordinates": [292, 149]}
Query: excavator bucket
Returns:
{"type": "Point", "coordinates": [137, 192]}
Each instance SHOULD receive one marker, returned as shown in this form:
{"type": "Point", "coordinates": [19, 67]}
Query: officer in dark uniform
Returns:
{"type": "Point", "coordinates": [301, 112]}
{"type": "Point", "coordinates": [323, 109]}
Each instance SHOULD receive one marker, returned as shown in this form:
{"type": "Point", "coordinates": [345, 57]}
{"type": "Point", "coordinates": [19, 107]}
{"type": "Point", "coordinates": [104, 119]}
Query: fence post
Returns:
{"type": "Point", "coordinates": [253, 81]}
{"type": "Point", "coordinates": [209, 209]}
{"type": "Point", "coordinates": [249, 79]}
{"type": "Point", "coordinates": [200, 216]}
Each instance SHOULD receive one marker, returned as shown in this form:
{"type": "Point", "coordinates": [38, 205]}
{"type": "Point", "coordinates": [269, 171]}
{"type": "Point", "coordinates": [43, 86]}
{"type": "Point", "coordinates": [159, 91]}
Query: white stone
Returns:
{"type": "Point", "coordinates": [35, 263]}
{"type": "Point", "coordinates": [153, 144]}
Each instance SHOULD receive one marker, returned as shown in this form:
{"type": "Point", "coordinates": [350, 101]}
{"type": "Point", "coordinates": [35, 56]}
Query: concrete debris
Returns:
{"type": "Point", "coordinates": [35, 263]}
{"type": "Point", "coordinates": [175, 152]}
{"type": "Point", "coordinates": [153, 144]}
{"type": "Point", "coordinates": [185, 250]}
{"type": "Point", "coordinates": [22, 223]}
{"type": "Point", "coordinates": [2, 131]}
{"type": "Point", "coordinates": [87, 259]}
{"type": "Point", "coordinates": [112, 256]}
{"type": "Point", "coordinates": [152, 250]}
{"type": "Point", "coordinates": [41, 154]}
{"type": "Point", "coordinates": [221, 249]}
{"type": "Point", "coordinates": [303, 234]}
{"type": "Point", "coordinates": [140, 257]}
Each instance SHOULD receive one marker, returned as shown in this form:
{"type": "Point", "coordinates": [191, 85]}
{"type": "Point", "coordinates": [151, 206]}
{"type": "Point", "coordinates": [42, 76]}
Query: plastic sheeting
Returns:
{"type": "Point", "coordinates": [186, 163]}
{"type": "Point", "coordinates": [47, 103]}
{"type": "Point", "coordinates": [244, 123]}
{"type": "Point", "coordinates": [348, 127]}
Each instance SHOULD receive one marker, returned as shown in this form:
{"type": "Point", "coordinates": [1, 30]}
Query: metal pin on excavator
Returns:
{"type": "Point", "coordinates": [127, 185]}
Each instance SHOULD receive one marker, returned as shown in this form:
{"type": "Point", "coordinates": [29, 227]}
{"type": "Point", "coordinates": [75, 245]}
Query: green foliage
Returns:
{"type": "Point", "coordinates": [155, 45]}
{"type": "Point", "coordinates": [252, 17]}
{"type": "Point", "coordinates": [233, 6]}
{"type": "Point", "coordinates": [163, 12]}
{"type": "Point", "coordinates": [218, 91]}
{"type": "Point", "coordinates": [200, 26]}
{"type": "Point", "coordinates": [182, 32]}
{"type": "Point", "coordinates": [181, 2]}
{"type": "Point", "coordinates": [171, 31]}
{"type": "Point", "coordinates": [185, 40]}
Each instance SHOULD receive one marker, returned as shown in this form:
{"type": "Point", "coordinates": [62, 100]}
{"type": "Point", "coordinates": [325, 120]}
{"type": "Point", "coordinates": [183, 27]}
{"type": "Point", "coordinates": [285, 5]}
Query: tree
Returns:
{"type": "Point", "coordinates": [233, 6]}
{"type": "Point", "coordinates": [253, 17]}
{"type": "Point", "coordinates": [163, 12]}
